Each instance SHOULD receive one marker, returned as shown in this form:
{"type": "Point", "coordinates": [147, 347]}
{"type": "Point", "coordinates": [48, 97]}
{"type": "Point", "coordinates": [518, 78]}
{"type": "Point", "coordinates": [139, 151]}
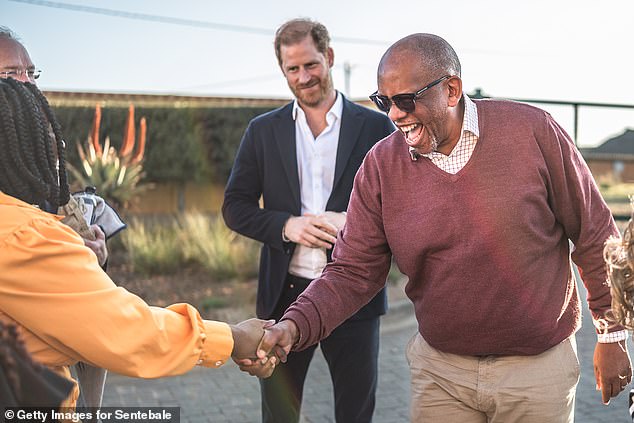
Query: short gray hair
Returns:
{"type": "Point", "coordinates": [5, 32]}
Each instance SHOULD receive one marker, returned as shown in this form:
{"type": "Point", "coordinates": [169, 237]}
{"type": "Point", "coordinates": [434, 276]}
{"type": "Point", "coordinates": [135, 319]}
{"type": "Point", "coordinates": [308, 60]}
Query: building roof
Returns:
{"type": "Point", "coordinates": [619, 147]}
{"type": "Point", "coordinates": [89, 99]}
{"type": "Point", "coordinates": [621, 144]}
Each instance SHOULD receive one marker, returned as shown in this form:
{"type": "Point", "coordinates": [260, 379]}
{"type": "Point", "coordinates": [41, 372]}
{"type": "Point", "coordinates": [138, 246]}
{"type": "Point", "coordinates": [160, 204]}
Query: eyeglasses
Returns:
{"type": "Point", "coordinates": [406, 102]}
{"type": "Point", "coordinates": [30, 74]}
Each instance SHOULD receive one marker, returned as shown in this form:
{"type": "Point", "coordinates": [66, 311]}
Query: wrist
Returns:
{"type": "Point", "coordinates": [284, 237]}
{"type": "Point", "coordinates": [236, 334]}
{"type": "Point", "coordinates": [292, 330]}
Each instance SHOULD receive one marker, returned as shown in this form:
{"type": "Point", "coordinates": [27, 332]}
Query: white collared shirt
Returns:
{"type": "Point", "coordinates": [316, 159]}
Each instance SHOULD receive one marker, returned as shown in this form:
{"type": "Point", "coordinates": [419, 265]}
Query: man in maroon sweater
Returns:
{"type": "Point", "coordinates": [477, 201]}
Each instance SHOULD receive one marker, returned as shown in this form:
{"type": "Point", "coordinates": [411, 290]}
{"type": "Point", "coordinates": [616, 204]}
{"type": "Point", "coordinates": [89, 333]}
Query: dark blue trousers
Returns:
{"type": "Point", "coordinates": [351, 352]}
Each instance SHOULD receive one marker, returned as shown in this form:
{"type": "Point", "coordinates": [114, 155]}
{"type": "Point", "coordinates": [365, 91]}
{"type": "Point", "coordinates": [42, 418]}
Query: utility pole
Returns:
{"type": "Point", "coordinates": [347, 70]}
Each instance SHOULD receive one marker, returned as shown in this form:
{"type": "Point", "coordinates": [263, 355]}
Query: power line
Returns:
{"type": "Point", "coordinates": [258, 78]}
{"type": "Point", "coordinates": [233, 82]}
{"type": "Point", "coordinates": [221, 26]}
{"type": "Point", "coordinates": [179, 21]}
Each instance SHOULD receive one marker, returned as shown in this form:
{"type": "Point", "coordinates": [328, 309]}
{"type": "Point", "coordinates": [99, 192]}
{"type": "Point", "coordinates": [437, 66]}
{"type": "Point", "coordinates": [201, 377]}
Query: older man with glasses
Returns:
{"type": "Point", "coordinates": [477, 201]}
{"type": "Point", "coordinates": [16, 63]}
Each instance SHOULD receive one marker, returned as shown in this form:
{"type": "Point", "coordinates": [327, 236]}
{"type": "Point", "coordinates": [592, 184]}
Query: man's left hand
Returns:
{"type": "Point", "coordinates": [612, 369]}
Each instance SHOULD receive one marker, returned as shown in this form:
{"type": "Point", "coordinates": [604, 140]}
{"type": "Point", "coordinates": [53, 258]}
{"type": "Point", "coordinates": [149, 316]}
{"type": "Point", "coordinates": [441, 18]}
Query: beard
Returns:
{"type": "Point", "coordinates": [439, 115]}
{"type": "Point", "coordinates": [433, 143]}
{"type": "Point", "coordinates": [314, 98]}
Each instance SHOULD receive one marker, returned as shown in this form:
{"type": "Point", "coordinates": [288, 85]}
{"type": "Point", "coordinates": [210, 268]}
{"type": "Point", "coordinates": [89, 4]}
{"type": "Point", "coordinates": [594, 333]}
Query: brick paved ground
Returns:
{"type": "Point", "coordinates": [226, 395]}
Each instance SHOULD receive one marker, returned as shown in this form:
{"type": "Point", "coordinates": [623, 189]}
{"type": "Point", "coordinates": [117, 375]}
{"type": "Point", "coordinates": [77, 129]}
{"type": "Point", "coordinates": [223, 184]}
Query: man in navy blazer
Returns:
{"type": "Point", "coordinates": [300, 161]}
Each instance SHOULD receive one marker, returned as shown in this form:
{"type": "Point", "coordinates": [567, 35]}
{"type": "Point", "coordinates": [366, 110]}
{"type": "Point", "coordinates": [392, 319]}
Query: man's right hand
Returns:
{"type": "Point", "coordinates": [311, 231]}
{"type": "Point", "coordinates": [278, 340]}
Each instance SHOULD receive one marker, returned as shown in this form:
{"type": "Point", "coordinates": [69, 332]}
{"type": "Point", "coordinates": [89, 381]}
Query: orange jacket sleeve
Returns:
{"type": "Point", "coordinates": [68, 308]}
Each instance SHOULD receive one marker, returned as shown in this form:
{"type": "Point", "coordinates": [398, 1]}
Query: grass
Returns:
{"type": "Point", "coordinates": [613, 190]}
{"type": "Point", "coordinates": [213, 303]}
{"type": "Point", "coordinates": [152, 249]}
{"type": "Point", "coordinates": [210, 244]}
{"type": "Point", "coordinates": [618, 192]}
{"type": "Point", "coordinates": [193, 239]}
{"type": "Point", "coordinates": [618, 196]}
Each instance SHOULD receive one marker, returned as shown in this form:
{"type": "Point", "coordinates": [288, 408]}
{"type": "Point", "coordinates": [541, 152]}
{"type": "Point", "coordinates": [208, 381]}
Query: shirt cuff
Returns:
{"type": "Point", "coordinates": [611, 337]}
{"type": "Point", "coordinates": [217, 344]}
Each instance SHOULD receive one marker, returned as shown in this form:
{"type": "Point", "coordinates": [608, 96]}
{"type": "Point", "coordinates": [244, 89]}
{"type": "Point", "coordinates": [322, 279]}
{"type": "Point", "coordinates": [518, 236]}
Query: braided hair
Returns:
{"type": "Point", "coordinates": [23, 381]}
{"type": "Point", "coordinates": [9, 342]}
{"type": "Point", "coordinates": [28, 163]}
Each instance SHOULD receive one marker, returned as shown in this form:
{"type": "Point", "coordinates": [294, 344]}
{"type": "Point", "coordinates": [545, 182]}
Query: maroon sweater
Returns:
{"type": "Point", "coordinates": [486, 250]}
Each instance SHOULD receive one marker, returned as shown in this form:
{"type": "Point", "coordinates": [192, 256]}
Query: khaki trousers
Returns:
{"type": "Point", "coordinates": [451, 388]}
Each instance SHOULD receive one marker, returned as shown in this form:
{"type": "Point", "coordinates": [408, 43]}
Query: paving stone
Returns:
{"type": "Point", "coordinates": [227, 395]}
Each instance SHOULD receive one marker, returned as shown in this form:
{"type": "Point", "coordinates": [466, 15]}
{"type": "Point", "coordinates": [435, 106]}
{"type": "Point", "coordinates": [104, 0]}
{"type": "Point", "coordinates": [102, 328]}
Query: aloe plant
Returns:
{"type": "Point", "coordinates": [115, 174]}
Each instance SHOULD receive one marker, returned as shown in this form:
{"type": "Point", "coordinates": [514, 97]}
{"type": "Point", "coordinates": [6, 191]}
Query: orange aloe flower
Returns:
{"type": "Point", "coordinates": [128, 137]}
{"type": "Point", "coordinates": [94, 137]}
{"type": "Point", "coordinates": [138, 156]}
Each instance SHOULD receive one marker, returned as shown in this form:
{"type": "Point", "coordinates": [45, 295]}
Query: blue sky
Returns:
{"type": "Point", "coordinates": [559, 49]}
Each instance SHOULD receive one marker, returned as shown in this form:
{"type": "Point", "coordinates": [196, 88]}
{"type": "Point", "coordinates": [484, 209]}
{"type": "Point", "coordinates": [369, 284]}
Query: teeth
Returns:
{"type": "Point", "coordinates": [408, 128]}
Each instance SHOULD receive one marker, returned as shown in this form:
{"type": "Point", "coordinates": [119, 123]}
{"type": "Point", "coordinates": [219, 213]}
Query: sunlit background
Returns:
{"type": "Point", "coordinates": [555, 50]}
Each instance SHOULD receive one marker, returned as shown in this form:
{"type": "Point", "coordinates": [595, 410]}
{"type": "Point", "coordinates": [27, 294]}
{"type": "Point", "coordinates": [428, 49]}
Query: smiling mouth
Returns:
{"type": "Point", "coordinates": [309, 85]}
{"type": "Point", "coordinates": [412, 132]}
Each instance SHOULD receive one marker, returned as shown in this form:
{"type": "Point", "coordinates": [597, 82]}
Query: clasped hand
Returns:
{"type": "Point", "coordinates": [315, 231]}
{"type": "Point", "coordinates": [275, 345]}
{"type": "Point", "coordinates": [247, 336]}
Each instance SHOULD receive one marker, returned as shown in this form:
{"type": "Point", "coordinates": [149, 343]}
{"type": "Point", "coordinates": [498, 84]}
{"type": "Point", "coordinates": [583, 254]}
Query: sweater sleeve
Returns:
{"type": "Point", "coordinates": [69, 309]}
{"type": "Point", "coordinates": [579, 207]}
{"type": "Point", "coordinates": [361, 261]}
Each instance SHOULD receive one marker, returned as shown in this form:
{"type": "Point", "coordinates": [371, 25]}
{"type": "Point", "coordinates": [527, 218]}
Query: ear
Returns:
{"type": "Point", "coordinates": [454, 85]}
{"type": "Point", "coordinates": [330, 56]}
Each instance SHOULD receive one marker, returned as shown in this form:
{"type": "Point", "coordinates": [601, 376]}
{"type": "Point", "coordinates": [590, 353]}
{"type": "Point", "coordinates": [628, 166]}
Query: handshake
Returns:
{"type": "Point", "coordinates": [258, 345]}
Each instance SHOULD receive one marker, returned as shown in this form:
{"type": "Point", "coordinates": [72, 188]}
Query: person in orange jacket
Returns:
{"type": "Point", "coordinates": [52, 287]}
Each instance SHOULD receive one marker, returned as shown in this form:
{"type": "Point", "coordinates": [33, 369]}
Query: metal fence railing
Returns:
{"type": "Point", "coordinates": [576, 105]}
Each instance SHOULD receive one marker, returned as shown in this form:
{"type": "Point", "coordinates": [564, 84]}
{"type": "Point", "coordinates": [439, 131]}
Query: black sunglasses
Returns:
{"type": "Point", "coordinates": [406, 102]}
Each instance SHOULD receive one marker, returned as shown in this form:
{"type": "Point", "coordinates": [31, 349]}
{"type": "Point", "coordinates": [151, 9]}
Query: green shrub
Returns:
{"type": "Point", "coordinates": [152, 248]}
{"type": "Point", "coordinates": [617, 192]}
{"type": "Point", "coordinates": [209, 243]}
{"type": "Point", "coordinates": [213, 303]}
{"type": "Point", "coordinates": [193, 239]}
{"type": "Point", "coordinates": [176, 152]}
{"type": "Point", "coordinates": [117, 179]}
{"type": "Point", "coordinates": [183, 144]}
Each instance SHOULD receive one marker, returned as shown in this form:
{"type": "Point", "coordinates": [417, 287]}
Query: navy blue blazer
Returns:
{"type": "Point", "coordinates": [266, 166]}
